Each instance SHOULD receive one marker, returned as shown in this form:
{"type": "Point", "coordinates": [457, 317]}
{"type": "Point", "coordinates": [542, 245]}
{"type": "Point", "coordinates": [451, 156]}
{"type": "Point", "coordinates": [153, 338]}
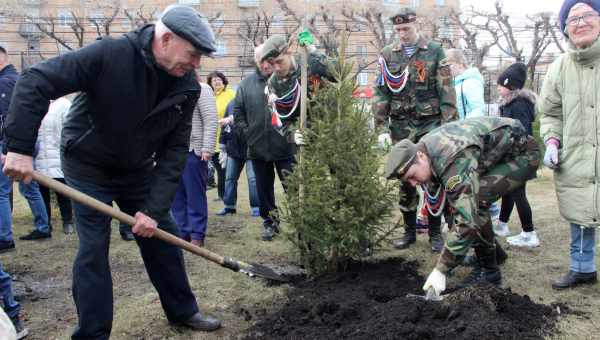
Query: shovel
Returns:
{"type": "Point", "coordinates": [430, 295]}
{"type": "Point", "coordinates": [250, 269]}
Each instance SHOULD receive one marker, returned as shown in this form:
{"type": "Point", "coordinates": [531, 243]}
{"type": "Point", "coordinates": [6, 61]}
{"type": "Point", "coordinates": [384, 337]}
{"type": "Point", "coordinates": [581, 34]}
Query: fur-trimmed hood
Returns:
{"type": "Point", "coordinates": [526, 94]}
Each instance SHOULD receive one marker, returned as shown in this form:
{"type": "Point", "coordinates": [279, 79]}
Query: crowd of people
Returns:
{"type": "Point", "coordinates": [144, 132]}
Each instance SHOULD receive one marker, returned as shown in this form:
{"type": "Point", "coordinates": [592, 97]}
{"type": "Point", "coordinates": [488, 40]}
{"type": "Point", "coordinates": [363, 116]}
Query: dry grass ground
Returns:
{"type": "Point", "coordinates": [43, 275]}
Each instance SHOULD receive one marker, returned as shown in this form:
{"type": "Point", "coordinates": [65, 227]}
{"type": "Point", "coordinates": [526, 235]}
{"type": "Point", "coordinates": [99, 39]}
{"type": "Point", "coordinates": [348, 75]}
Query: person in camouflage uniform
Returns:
{"type": "Point", "coordinates": [283, 93]}
{"type": "Point", "coordinates": [414, 94]}
{"type": "Point", "coordinates": [469, 164]}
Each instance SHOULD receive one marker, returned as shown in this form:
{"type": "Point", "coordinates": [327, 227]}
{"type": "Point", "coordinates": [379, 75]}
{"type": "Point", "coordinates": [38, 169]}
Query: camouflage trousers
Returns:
{"type": "Point", "coordinates": [502, 178]}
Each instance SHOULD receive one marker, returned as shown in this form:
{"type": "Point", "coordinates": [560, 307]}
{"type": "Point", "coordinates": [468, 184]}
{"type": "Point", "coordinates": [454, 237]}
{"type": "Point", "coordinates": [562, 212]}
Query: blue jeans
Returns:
{"type": "Point", "coordinates": [232, 175]}
{"type": "Point", "coordinates": [189, 207]}
{"type": "Point", "coordinates": [32, 193]}
{"type": "Point", "coordinates": [583, 249]}
{"type": "Point", "coordinates": [10, 306]}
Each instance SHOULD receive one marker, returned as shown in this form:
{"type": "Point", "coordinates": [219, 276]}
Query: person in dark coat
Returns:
{"type": "Point", "coordinates": [517, 103]}
{"type": "Point", "coordinates": [125, 140]}
{"type": "Point", "coordinates": [236, 151]}
{"type": "Point", "coordinates": [268, 149]}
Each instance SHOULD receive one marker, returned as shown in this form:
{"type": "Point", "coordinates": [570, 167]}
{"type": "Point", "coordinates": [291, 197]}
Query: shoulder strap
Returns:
{"type": "Point", "coordinates": [462, 96]}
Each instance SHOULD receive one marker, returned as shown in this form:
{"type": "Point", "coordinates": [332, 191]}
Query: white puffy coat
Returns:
{"type": "Point", "coordinates": [47, 160]}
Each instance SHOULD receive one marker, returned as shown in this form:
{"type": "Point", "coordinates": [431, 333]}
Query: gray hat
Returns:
{"type": "Point", "coordinates": [274, 46]}
{"type": "Point", "coordinates": [400, 159]}
{"type": "Point", "coordinates": [190, 25]}
{"type": "Point", "coordinates": [403, 16]}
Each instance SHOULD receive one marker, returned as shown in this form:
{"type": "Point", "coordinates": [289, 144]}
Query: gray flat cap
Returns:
{"type": "Point", "coordinates": [190, 25]}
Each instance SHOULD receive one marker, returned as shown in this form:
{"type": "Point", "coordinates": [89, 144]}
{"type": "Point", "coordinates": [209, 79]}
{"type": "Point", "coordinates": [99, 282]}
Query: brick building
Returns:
{"type": "Point", "coordinates": [239, 25]}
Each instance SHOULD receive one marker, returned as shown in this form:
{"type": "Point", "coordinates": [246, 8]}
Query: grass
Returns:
{"type": "Point", "coordinates": [45, 269]}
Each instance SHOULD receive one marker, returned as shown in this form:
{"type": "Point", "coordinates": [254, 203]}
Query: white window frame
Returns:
{"type": "Point", "coordinates": [188, 2]}
{"type": "Point", "coordinates": [221, 48]}
{"type": "Point", "coordinates": [362, 79]}
{"type": "Point", "coordinates": [64, 17]}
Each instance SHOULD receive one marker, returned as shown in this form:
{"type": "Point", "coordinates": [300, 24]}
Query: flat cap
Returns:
{"type": "Point", "coordinates": [403, 16]}
{"type": "Point", "coordinates": [190, 25]}
{"type": "Point", "coordinates": [274, 46]}
{"type": "Point", "coordinates": [400, 158]}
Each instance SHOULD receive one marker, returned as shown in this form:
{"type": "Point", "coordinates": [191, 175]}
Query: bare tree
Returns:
{"type": "Point", "coordinates": [330, 36]}
{"type": "Point", "coordinates": [103, 23]}
{"type": "Point", "coordinates": [140, 16]}
{"type": "Point", "coordinates": [374, 20]}
{"type": "Point", "coordinates": [470, 32]}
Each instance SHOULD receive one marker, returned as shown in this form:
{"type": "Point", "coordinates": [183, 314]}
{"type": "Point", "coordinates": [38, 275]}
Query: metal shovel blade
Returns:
{"type": "Point", "coordinates": [431, 295]}
{"type": "Point", "coordinates": [262, 271]}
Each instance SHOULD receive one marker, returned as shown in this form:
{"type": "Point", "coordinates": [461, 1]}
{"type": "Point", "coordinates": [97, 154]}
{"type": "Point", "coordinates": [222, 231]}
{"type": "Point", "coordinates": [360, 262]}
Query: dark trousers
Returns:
{"type": "Point", "coordinates": [220, 175]}
{"type": "Point", "coordinates": [265, 185]}
{"type": "Point", "coordinates": [92, 282]}
{"type": "Point", "coordinates": [64, 204]}
{"type": "Point", "coordinates": [189, 207]}
{"type": "Point", "coordinates": [519, 198]}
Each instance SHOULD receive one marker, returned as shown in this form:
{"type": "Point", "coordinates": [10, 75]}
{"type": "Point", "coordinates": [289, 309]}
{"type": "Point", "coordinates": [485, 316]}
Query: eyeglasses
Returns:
{"type": "Point", "coordinates": [588, 18]}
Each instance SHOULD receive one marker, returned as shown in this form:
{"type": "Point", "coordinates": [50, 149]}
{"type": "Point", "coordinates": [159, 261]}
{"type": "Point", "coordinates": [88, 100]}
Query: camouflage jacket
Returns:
{"type": "Point", "coordinates": [461, 153]}
{"type": "Point", "coordinates": [428, 98]}
{"type": "Point", "coordinates": [317, 69]}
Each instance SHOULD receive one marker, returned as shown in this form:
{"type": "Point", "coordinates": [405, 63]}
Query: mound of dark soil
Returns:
{"type": "Point", "coordinates": [369, 302]}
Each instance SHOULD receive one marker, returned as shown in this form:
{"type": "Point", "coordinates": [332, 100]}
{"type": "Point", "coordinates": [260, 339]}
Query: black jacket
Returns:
{"type": "Point", "coordinates": [8, 79]}
{"type": "Point", "coordinates": [235, 143]}
{"type": "Point", "coordinates": [128, 115]}
{"type": "Point", "coordinates": [520, 105]}
{"type": "Point", "coordinates": [253, 120]}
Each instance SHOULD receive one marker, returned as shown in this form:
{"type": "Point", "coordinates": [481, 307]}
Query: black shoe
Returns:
{"type": "Point", "coordinates": [126, 235]}
{"type": "Point", "coordinates": [226, 211]}
{"type": "Point", "coordinates": [35, 235]}
{"type": "Point", "coordinates": [437, 243]}
{"type": "Point", "coordinates": [410, 237]}
{"type": "Point", "coordinates": [19, 328]}
{"type": "Point", "coordinates": [6, 246]}
{"type": "Point", "coordinates": [201, 322]}
{"type": "Point", "coordinates": [480, 275]}
{"type": "Point", "coordinates": [68, 228]}
{"type": "Point", "coordinates": [573, 279]}
{"type": "Point", "coordinates": [269, 232]}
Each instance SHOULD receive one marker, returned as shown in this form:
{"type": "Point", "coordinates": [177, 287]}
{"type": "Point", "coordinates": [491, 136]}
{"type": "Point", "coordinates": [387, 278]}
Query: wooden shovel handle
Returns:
{"type": "Point", "coordinates": [106, 209]}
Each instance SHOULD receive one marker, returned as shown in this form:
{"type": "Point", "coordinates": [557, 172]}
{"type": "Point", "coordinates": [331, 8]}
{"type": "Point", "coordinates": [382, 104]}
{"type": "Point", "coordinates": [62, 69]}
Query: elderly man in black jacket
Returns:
{"type": "Point", "coordinates": [125, 140]}
{"type": "Point", "coordinates": [268, 148]}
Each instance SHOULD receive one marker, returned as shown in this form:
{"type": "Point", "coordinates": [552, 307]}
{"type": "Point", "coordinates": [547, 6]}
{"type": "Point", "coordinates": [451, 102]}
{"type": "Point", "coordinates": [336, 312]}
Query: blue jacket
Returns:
{"type": "Point", "coordinates": [469, 94]}
{"type": "Point", "coordinates": [8, 79]}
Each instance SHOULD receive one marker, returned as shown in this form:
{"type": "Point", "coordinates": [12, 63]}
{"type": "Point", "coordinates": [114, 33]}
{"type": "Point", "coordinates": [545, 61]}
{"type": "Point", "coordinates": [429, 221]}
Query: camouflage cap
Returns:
{"type": "Point", "coordinates": [274, 46]}
{"type": "Point", "coordinates": [401, 157]}
{"type": "Point", "coordinates": [403, 16]}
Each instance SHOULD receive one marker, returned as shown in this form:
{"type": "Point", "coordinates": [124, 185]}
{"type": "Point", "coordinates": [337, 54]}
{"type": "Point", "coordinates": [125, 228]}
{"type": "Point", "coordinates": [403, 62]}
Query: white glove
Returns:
{"type": "Point", "coordinates": [384, 141]}
{"type": "Point", "coordinates": [298, 138]}
{"type": "Point", "coordinates": [436, 281]}
{"type": "Point", "coordinates": [551, 156]}
{"type": "Point", "coordinates": [223, 158]}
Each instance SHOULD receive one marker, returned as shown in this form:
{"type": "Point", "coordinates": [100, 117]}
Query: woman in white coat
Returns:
{"type": "Point", "coordinates": [47, 160]}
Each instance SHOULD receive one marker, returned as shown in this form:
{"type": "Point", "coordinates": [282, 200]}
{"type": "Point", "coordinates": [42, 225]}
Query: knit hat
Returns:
{"type": "Point", "coordinates": [566, 8]}
{"type": "Point", "coordinates": [513, 77]}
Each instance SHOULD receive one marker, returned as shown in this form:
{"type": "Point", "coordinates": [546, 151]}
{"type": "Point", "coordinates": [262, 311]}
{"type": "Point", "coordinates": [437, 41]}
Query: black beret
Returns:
{"type": "Point", "coordinates": [190, 25]}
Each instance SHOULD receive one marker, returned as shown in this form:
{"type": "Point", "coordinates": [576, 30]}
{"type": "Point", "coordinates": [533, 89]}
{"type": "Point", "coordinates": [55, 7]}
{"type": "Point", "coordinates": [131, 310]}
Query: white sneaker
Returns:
{"type": "Point", "coordinates": [524, 239]}
{"type": "Point", "coordinates": [501, 229]}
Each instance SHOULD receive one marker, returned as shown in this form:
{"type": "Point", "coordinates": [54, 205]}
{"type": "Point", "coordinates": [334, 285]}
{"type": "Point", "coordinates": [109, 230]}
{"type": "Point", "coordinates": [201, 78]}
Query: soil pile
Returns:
{"type": "Point", "coordinates": [369, 302]}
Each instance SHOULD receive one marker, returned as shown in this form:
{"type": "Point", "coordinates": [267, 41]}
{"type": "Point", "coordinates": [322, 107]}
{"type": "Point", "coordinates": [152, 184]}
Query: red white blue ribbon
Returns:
{"type": "Point", "coordinates": [287, 103]}
{"type": "Point", "coordinates": [434, 203]}
{"type": "Point", "coordinates": [395, 83]}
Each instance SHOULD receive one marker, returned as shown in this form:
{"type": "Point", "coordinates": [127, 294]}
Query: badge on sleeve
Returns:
{"type": "Point", "coordinates": [453, 182]}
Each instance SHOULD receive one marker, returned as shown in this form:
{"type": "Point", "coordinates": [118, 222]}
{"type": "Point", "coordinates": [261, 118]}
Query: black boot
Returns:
{"type": "Point", "coordinates": [201, 322]}
{"type": "Point", "coordinates": [435, 234]}
{"type": "Point", "coordinates": [573, 279]}
{"type": "Point", "coordinates": [410, 231]}
{"type": "Point", "coordinates": [489, 267]}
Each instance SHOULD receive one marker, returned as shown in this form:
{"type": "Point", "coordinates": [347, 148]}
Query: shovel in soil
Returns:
{"type": "Point", "coordinates": [431, 295]}
{"type": "Point", "coordinates": [250, 269]}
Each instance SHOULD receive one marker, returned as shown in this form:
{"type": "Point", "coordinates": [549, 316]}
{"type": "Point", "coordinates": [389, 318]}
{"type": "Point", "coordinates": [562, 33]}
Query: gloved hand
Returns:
{"type": "Point", "coordinates": [298, 138]}
{"type": "Point", "coordinates": [305, 38]}
{"type": "Point", "coordinates": [551, 155]}
{"type": "Point", "coordinates": [223, 158]}
{"type": "Point", "coordinates": [384, 141]}
{"type": "Point", "coordinates": [435, 281]}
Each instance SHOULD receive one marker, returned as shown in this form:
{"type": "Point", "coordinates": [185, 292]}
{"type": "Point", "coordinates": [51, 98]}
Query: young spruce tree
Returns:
{"type": "Point", "coordinates": [346, 204]}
